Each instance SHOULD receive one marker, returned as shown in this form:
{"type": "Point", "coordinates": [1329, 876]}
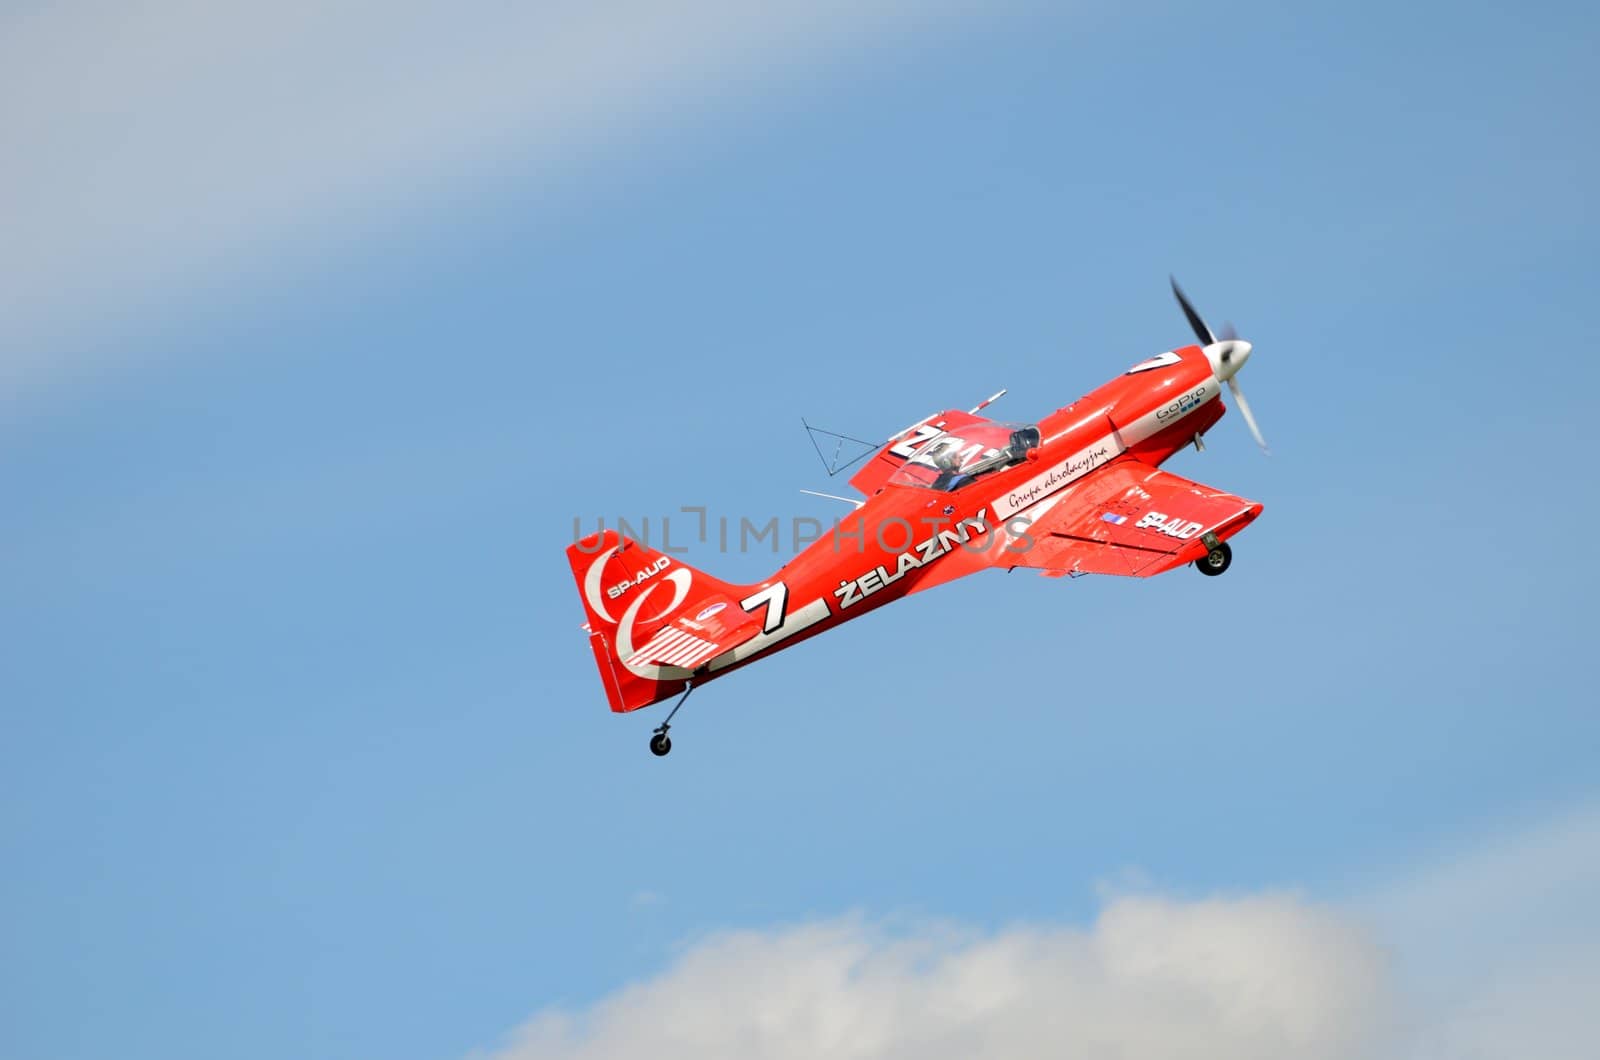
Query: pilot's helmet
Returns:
{"type": "Point", "coordinates": [1024, 439]}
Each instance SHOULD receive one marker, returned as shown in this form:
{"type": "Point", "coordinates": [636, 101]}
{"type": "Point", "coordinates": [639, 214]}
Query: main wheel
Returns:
{"type": "Point", "coordinates": [1216, 561]}
{"type": "Point", "coordinates": [660, 744]}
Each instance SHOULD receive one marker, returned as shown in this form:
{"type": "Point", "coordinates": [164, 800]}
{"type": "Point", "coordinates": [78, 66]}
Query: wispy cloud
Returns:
{"type": "Point", "coordinates": [152, 148]}
{"type": "Point", "coordinates": [1270, 975]}
{"type": "Point", "coordinates": [647, 900]}
{"type": "Point", "coordinates": [1498, 946]}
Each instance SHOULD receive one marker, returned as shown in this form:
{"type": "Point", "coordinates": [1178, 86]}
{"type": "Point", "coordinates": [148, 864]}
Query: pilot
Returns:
{"type": "Point", "coordinates": [948, 463]}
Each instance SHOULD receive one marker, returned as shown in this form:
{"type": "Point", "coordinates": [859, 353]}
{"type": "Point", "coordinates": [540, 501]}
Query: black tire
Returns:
{"type": "Point", "coordinates": [1216, 561]}
{"type": "Point", "coordinates": [660, 744]}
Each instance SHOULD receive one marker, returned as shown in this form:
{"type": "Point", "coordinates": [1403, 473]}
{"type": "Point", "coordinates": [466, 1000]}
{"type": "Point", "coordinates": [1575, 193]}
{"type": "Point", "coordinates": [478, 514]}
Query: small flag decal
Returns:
{"type": "Point", "coordinates": [1113, 517]}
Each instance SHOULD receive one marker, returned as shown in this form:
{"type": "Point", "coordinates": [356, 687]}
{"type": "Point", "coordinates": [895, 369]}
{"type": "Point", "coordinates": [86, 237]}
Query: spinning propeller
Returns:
{"type": "Point", "coordinates": [1227, 354]}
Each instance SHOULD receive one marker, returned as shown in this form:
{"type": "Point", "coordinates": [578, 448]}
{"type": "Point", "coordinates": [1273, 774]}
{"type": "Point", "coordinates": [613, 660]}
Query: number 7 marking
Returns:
{"type": "Point", "coordinates": [776, 597]}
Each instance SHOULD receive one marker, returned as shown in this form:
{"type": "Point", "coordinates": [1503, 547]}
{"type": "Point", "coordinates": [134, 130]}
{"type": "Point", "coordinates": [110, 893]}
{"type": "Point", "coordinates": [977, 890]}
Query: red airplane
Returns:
{"type": "Point", "coordinates": [1078, 492]}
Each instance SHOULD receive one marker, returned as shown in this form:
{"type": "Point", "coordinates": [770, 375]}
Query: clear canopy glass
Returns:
{"type": "Point", "coordinates": [954, 458]}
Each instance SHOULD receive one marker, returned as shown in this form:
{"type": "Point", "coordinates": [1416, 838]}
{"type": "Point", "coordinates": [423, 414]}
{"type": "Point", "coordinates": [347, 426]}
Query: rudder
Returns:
{"type": "Point", "coordinates": [653, 620]}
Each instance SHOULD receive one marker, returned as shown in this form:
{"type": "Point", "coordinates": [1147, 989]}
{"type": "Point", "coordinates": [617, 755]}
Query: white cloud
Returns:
{"type": "Point", "coordinates": [1255, 977]}
{"type": "Point", "coordinates": [152, 148]}
{"type": "Point", "coordinates": [1492, 954]}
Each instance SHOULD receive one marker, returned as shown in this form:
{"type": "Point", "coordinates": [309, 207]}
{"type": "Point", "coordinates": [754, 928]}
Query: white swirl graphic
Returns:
{"type": "Point", "coordinates": [680, 579]}
{"type": "Point", "coordinates": [591, 584]}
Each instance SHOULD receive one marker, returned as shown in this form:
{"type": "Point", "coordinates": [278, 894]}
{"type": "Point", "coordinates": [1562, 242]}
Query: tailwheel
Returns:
{"type": "Point", "coordinates": [1216, 561]}
{"type": "Point", "coordinates": [661, 743]}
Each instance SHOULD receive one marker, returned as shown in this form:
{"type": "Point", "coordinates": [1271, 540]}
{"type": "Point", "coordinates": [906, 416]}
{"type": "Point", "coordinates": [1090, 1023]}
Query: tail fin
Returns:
{"type": "Point", "coordinates": [653, 619]}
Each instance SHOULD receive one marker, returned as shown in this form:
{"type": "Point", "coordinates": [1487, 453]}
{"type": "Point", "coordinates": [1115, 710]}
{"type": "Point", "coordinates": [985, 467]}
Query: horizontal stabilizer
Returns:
{"type": "Point", "coordinates": [674, 647]}
{"type": "Point", "coordinates": [687, 640]}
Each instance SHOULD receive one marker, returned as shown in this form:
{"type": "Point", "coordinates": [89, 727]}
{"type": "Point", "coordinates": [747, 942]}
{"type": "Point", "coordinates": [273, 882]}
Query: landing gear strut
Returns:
{"type": "Point", "coordinates": [1217, 559]}
{"type": "Point", "coordinates": [661, 743]}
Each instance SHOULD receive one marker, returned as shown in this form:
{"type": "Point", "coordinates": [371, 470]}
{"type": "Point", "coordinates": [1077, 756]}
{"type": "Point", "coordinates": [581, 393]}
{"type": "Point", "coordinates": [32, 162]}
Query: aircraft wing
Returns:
{"type": "Point", "coordinates": [718, 625]}
{"type": "Point", "coordinates": [1129, 519]}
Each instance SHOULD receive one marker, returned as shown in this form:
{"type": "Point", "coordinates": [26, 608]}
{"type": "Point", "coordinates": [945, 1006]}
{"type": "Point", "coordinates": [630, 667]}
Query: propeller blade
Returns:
{"type": "Point", "coordinates": [1249, 417]}
{"type": "Point", "coordinates": [1201, 332]}
{"type": "Point", "coordinates": [1226, 332]}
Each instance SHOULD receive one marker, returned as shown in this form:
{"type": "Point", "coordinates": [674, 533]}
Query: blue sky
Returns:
{"type": "Point", "coordinates": [321, 325]}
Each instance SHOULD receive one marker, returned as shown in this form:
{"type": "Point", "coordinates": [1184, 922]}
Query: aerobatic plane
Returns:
{"type": "Point", "coordinates": [1079, 491]}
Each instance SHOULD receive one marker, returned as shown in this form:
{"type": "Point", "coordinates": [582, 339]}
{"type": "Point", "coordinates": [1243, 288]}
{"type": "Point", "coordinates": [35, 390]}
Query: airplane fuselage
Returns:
{"type": "Point", "coordinates": [904, 539]}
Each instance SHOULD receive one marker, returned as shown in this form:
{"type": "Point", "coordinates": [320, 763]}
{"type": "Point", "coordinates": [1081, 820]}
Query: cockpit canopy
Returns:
{"type": "Point", "coordinates": [948, 461]}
